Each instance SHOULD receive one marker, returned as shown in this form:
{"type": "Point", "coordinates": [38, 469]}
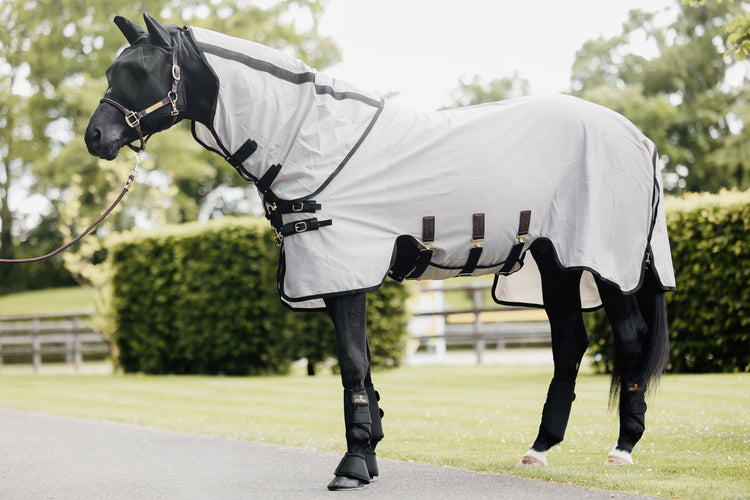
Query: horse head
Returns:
{"type": "Point", "coordinates": [144, 95]}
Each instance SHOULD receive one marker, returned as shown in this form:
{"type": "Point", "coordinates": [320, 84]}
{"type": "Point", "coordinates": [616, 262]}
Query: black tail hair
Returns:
{"type": "Point", "coordinates": [653, 305]}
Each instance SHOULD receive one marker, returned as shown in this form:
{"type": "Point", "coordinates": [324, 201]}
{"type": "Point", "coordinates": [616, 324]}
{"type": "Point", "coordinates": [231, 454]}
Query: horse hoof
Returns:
{"type": "Point", "coordinates": [614, 460]}
{"type": "Point", "coordinates": [340, 483]}
{"type": "Point", "coordinates": [530, 461]}
{"type": "Point", "coordinates": [619, 457]}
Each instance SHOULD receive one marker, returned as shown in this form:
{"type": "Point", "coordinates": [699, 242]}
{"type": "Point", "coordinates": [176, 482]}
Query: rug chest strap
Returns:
{"type": "Point", "coordinates": [515, 252]}
{"type": "Point", "coordinates": [477, 236]}
{"type": "Point", "coordinates": [301, 226]}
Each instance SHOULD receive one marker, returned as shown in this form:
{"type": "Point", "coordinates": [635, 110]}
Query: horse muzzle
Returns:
{"type": "Point", "coordinates": [107, 133]}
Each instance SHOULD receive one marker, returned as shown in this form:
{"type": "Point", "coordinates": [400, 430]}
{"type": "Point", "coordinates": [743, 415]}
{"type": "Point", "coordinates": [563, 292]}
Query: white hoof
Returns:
{"type": "Point", "coordinates": [619, 457]}
{"type": "Point", "coordinates": [533, 458]}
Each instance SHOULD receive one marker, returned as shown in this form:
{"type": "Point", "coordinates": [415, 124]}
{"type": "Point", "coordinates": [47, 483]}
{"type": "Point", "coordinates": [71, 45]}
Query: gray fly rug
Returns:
{"type": "Point", "coordinates": [344, 174]}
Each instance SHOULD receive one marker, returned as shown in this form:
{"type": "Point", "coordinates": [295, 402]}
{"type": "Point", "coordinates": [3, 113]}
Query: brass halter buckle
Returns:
{"type": "Point", "coordinates": [132, 119]}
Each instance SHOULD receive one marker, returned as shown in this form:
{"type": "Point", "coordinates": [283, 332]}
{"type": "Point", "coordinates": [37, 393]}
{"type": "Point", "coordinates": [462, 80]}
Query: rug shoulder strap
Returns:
{"type": "Point", "coordinates": [243, 153]}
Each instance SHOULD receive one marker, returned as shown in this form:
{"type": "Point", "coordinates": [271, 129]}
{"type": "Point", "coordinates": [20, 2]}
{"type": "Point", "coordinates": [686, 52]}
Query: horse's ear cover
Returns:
{"type": "Point", "coordinates": [158, 33]}
{"type": "Point", "coordinates": [131, 30]}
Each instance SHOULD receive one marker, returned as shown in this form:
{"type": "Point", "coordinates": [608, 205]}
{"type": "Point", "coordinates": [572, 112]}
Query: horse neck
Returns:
{"type": "Point", "coordinates": [200, 84]}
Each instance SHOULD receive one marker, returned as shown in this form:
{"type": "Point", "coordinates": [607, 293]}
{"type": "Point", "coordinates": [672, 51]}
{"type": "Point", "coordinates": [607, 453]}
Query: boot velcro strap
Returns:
{"type": "Point", "coordinates": [354, 465]}
{"type": "Point", "coordinates": [372, 463]}
{"type": "Point", "coordinates": [361, 415]}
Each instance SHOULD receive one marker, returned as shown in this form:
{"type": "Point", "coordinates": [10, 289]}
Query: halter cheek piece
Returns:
{"type": "Point", "coordinates": [133, 118]}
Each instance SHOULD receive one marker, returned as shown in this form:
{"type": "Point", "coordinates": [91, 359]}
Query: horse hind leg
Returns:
{"type": "Point", "coordinates": [562, 303]}
{"type": "Point", "coordinates": [641, 348]}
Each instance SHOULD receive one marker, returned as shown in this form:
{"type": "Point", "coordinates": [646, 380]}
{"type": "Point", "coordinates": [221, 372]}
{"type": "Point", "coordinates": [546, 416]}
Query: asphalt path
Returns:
{"type": "Point", "coordinates": [50, 457]}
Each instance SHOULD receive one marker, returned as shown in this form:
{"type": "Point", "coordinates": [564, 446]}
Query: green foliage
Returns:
{"type": "Point", "coordinates": [709, 314]}
{"type": "Point", "coordinates": [737, 31]}
{"type": "Point", "coordinates": [53, 55]}
{"type": "Point", "coordinates": [386, 330]}
{"type": "Point", "coordinates": [738, 36]}
{"type": "Point", "coordinates": [477, 91]}
{"type": "Point", "coordinates": [200, 298]}
{"type": "Point", "coordinates": [682, 97]}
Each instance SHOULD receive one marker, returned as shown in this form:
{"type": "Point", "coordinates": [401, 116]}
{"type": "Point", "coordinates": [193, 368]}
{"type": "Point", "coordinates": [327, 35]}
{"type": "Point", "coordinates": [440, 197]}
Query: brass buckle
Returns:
{"type": "Point", "coordinates": [520, 239]}
{"type": "Point", "coordinates": [132, 120]}
{"type": "Point", "coordinates": [298, 206]}
{"type": "Point", "coordinates": [300, 227]}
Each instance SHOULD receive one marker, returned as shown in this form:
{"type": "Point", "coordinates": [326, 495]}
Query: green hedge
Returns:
{"type": "Point", "coordinates": [202, 299]}
{"type": "Point", "coordinates": [709, 314]}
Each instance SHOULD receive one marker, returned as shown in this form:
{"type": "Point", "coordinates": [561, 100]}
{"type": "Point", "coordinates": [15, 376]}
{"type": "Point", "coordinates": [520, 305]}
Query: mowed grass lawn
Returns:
{"type": "Point", "coordinates": [697, 443]}
{"type": "Point", "coordinates": [52, 300]}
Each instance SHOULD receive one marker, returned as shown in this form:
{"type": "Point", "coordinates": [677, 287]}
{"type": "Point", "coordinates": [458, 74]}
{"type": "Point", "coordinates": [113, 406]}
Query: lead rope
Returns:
{"type": "Point", "coordinates": [131, 179]}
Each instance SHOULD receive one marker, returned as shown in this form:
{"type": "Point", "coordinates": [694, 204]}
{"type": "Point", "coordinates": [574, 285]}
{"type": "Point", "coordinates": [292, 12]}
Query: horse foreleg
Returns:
{"type": "Point", "coordinates": [562, 303]}
{"type": "Point", "coordinates": [376, 415]}
{"type": "Point", "coordinates": [361, 412]}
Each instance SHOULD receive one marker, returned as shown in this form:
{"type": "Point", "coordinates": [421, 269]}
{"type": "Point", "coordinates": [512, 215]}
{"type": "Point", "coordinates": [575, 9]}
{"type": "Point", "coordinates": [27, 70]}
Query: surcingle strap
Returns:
{"type": "Point", "coordinates": [428, 230]}
{"type": "Point", "coordinates": [515, 253]}
{"type": "Point", "coordinates": [477, 236]}
{"type": "Point", "coordinates": [425, 252]}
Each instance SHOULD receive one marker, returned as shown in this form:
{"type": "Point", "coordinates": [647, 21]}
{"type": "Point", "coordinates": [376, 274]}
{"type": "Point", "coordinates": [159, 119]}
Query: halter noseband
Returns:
{"type": "Point", "coordinates": [133, 118]}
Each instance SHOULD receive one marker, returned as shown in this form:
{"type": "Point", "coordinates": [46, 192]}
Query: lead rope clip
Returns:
{"type": "Point", "coordinates": [134, 171]}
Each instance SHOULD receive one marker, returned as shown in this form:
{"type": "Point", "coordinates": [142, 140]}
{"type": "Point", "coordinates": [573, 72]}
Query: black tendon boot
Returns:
{"type": "Point", "coordinates": [555, 414]}
{"type": "Point", "coordinates": [632, 423]}
{"type": "Point", "coordinates": [376, 414]}
{"type": "Point", "coordinates": [352, 471]}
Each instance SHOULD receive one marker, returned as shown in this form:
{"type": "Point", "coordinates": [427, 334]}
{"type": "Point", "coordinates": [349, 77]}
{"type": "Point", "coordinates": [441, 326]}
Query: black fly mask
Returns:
{"type": "Point", "coordinates": [144, 81]}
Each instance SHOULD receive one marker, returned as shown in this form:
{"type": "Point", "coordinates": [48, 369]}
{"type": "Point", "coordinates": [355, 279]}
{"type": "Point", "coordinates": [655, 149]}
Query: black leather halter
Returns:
{"type": "Point", "coordinates": [133, 118]}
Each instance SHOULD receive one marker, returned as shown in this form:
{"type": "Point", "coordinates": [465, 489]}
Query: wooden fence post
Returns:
{"type": "Point", "coordinates": [477, 299]}
{"type": "Point", "coordinates": [36, 345]}
{"type": "Point", "coordinates": [77, 354]}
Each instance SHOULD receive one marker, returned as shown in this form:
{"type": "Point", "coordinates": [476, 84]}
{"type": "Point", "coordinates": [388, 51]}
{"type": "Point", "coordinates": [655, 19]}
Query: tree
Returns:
{"type": "Point", "coordinates": [53, 55]}
{"type": "Point", "coordinates": [681, 97]}
{"type": "Point", "coordinates": [476, 91]}
{"type": "Point", "coordinates": [737, 32]}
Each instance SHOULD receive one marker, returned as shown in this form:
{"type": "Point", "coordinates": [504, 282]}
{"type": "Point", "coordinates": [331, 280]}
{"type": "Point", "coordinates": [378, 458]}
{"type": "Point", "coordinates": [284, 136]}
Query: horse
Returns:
{"type": "Point", "coordinates": [559, 198]}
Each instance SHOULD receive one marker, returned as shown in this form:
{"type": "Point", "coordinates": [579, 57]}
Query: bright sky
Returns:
{"type": "Point", "coordinates": [422, 48]}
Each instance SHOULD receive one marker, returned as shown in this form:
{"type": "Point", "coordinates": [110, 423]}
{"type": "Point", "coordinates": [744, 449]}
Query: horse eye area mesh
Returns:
{"type": "Point", "coordinates": [140, 76]}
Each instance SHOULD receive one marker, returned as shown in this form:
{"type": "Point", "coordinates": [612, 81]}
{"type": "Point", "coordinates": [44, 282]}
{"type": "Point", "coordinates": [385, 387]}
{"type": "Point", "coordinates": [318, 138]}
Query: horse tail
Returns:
{"type": "Point", "coordinates": [652, 303]}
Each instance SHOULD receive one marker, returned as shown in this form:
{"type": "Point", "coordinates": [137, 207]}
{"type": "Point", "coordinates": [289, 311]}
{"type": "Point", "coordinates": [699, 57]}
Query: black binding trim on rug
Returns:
{"type": "Point", "coordinates": [284, 74]}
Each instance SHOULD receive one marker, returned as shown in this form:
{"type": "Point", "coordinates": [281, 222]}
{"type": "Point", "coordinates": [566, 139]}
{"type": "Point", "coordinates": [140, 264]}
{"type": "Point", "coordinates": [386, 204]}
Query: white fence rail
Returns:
{"type": "Point", "coordinates": [38, 336]}
{"type": "Point", "coordinates": [434, 327]}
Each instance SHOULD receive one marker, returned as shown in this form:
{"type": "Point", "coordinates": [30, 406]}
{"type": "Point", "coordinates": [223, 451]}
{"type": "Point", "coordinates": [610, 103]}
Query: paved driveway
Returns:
{"type": "Point", "coordinates": [48, 457]}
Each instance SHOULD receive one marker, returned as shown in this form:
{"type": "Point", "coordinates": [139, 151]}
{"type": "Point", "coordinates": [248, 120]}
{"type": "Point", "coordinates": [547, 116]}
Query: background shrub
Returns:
{"type": "Point", "coordinates": [709, 314]}
{"type": "Point", "coordinates": [201, 298]}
